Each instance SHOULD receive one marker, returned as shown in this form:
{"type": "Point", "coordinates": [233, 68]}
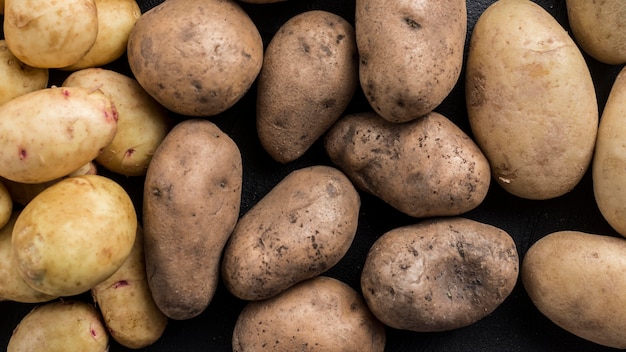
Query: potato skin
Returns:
{"type": "Point", "coordinates": [439, 274]}
{"type": "Point", "coordinates": [300, 229]}
{"type": "Point", "coordinates": [318, 314]}
{"type": "Point", "coordinates": [17, 78]}
{"type": "Point", "coordinates": [310, 69]}
{"type": "Point", "coordinates": [531, 101]}
{"type": "Point", "coordinates": [6, 204]}
{"type": "Point", "coordinates": [576, 279]}
{"type": "Point", "coordinates": [426, 167]}
{"type": "Point", "coordinates": [411, 54]}
{"type": "Point", "coordinates": [191, 201]}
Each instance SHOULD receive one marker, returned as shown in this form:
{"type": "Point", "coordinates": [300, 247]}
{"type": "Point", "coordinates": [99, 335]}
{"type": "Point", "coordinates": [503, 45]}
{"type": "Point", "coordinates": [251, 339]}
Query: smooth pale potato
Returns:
{"type": "Point", "coordinates": [195, 57]}
{"type": "Point", "coordinates": [191, 202]}
{"type": "Point", "coordinates": [74, 234]}
{"type": "Point", "coordinates": [50, 34]}
{"type": "Point", "coordinates": [60, 326]}
{"type": "Point", "coordinates": [576, 279]}
{"type": "Point", "coordinates": [425, 167]}
{"type": "Point", "coordinates": [52, 132]}
{"type": "Point", "coordinates": [300, 229]}
{"type": "Point", "coordinates": [439, 274]}
{"type": "Point", "coordinates": [530, 99]}
{"type": "Point", "coordinates": [411, 54]}
{"type": "Point", "coordinates": [142, 122]}
{"type": "Point", "coordinates": [6, 205]}
{"type": "Point", "coordinates": [17, 78]}
{"type": "Point", "coordinates": [598, 27]}
{"type": "Point", "coordinates": [309, 76]}
{"type": "Point", "coordinates": [125, 301]}
{"type": "Point", "coordinates": [318, 314]}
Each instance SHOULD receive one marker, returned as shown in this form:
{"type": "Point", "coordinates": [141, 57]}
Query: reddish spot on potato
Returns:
{"type": "Point", "coordinates": [23, 154]}
{"type": "Point", "coordinates": [121, 283]}
{"type": "Point", "coordinates": [113, 115]}
{"type": "Point", "coordinates": [65, 92]}
{"type": "Point", "coordinates": [129, 152]}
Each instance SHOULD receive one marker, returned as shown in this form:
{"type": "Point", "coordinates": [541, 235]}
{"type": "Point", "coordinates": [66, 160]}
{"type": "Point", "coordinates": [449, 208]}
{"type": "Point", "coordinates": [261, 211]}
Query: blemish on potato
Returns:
{"type": "Point", "coordinates": [412, 23]}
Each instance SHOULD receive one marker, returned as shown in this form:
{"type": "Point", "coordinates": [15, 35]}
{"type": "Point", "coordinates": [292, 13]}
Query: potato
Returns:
{"type": "Point", "coordinates": [74, 234]}
{"type": "Point", "coordinates": [50, 34]}
{"type": "Point", "coordinates": [300, 229]}
{"type": "Point", "coordinates": [530, 99]}
{"type": "Point", "coordinates": [310, 69]}
{"type": "Point", "coordinates": [318, 314]}
{"type": "Point", "coordinates": [18, 78]}
{"type": "Point", "coordinates": [411, 54]}
{"type": "Point", "coordinates": [125, 301]}
{"type": "Point", "coordinates": [51, 132]}
{"type": "Point", "coordinates": [575, 279]}
{"type": "Point", "coordinates": [439, 274]}
{"type": "Point", "coordinates": [426, 167]}
{"type": "Point", "coordinates": [597, 27]}
{"type": "Point", "coordinates": [191, 202]}
{"type": "Point", "coordinates": [142, 122]}
{"type": "Point", "coordinates": [195, 57]}
{"type": "Point", "coordinates": [6, 205]}
{"type": "Point", "coordinates": [60, 326]}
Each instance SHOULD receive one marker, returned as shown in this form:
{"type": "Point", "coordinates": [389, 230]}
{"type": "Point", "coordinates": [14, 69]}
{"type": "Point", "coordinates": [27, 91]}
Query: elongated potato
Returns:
{"type": "Point", "coordinates": [17, 78]}
{"type": "Point", "coordinates": [191, 201]}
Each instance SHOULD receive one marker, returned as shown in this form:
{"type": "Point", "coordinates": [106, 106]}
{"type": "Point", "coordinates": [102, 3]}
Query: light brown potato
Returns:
{"type": "Point", "coordinates": [426, 167]}
{"type": "Point", "coordinates": [576, 279]}
{"type": "Point", "coordinates": [17, 78]}
{"type": "Point", "coordinates": [408, 68]}
{"type": "Point", "coordinates": [171, 44]}
{"type": "Point", "coordinates": [6, 204]}
{"type": "Point", "coordinates": [318, 314]}
{"type": "Point", "coordinates": [309, 76]}
{"type": "Point", "coordinates": [530, 99]}
{"type": "Point", "coordinates": [191, 202]}
{"type": "Point", "coordinates": [439, 274]}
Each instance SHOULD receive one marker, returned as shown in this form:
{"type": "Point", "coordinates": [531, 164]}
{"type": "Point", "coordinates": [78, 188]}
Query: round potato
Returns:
{"type": "Point", "coordinates": [195, 57]}
{"type": "Point", "coordinates": [530, 99]}
{"type": "Point", "coordinates": [17, 78]}
{"type": "Point", "coordinates": [439, 274]}
{"type": "Point", "coordinates": [6, 204]}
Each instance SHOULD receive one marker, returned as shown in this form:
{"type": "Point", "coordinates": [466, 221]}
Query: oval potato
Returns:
{"type": "Point", "coordinates": [17, 78]}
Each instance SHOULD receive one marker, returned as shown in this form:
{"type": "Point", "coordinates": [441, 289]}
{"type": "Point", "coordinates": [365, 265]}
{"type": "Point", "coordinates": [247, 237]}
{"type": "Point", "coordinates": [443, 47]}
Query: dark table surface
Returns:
{"type": "Point", "coordinates": [516, 325]}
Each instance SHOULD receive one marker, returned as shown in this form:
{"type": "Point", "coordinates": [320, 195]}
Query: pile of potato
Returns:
{"type": "Point", "coordinates": [125, 197]}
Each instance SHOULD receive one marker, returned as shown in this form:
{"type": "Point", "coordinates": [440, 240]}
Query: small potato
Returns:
{"type": "Point", "coordinates": [300, 229]}
{"type": "Point", "coordinates": [6, 204]}
{"type": "Point", "coordinates": [318, 314]}
{"type": "Point", "coordinates": [426, 167]}
{"type": "Point", "coordinates": [530, 99]}
{"type": "Point", "coordinates": [309, 75]}
{"type": "Point", "coordinates": [439, 274]}
{"type": "Point", "coordinates": [17, 78]}
{"type": "Point", "coordinates": [60, 326]}
{"type": "Point", "coordinates": [576, 280]}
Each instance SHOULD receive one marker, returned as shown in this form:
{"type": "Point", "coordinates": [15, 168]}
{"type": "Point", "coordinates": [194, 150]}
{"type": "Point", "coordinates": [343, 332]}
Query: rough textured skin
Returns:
{"type": "Point", "coordinates": [531, 101]}
{"type": "Point", "coordinates": [319, 314]}
{"type": "Point", "coordinates": [576, 279]}
{"type": "Point", "coordinates": [425, 167]}
{"type": "Point", "coordinates": [309, 75]}
{"type": "Point", "coordinates": [411, 54]}
{"type": "Point", "coordinates": [300, 229]}
{"type": "Point", "coordinates": [192, 196]}
{"type": "Point", "coordinates": [439, 274]}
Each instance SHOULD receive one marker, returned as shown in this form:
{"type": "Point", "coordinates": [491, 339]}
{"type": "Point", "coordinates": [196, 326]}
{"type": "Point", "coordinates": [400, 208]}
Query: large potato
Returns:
{"type": "Point", "coordinates": [17, 78]}
{"type": "Point", "coordinates": [50, 133]}
{"type": "Point", "coordinates": [318, 314]}
{"type": "Point", "coordinates": [411, 54]}
{"type": "Point", "coordinates": [439, 274]}
{"type": "Point", "coordinates": [576, 279]}
{"type": "Point", "coordinates": [195, 57]}
{"type": "Point", "coordinates": [425, 167]}
{"type": "Point", "coordinates": [531, 101]}
{"type": "Point", "coordinates": [191, 202]}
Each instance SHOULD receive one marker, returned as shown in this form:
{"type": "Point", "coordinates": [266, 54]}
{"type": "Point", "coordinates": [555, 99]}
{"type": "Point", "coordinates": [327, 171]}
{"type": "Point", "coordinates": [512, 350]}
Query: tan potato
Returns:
{"type": "Point", "coordinates": [60, 326]}
{"type": "Point", "coordinates": [300, 229]}
{"type": "Point", "coordinates": [74, 234]}
{"type": "Point", "coordinates": [191, 202]}
{"type": "Point", "coordinates": [318, 314]}
{"type": "Point", "coordinates": [530, 99]}
{"type": "Point", "coordinates": [426, 167]}
{"type": "Point", "coordinates": [17, 78]}
{"type": "Point", "coordinates": [576, 279]}
{"type": "Point", "coordinates": [6, 204]}
{"type": "Point", "coordinates": [171, 44]}
{"type": "Point", "coordinates": [310, 69]}
{"type": "Point", "coordinates": [411, 54]}
{"type": "Point", "coordinates": [439, 274]}
{"type": "Point", "coordinates": [50, 34]}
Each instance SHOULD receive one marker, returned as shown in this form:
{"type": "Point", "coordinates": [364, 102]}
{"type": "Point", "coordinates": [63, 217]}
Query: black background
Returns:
{"type": "Point", "coordinates": [516, 325]}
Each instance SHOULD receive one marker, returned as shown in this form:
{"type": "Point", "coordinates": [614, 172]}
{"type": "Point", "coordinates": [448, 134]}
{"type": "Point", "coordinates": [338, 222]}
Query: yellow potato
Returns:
{"type": "Point", "coordinates": [17, 78]}
{"type": "Point", "coordinates": [6, 204]}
